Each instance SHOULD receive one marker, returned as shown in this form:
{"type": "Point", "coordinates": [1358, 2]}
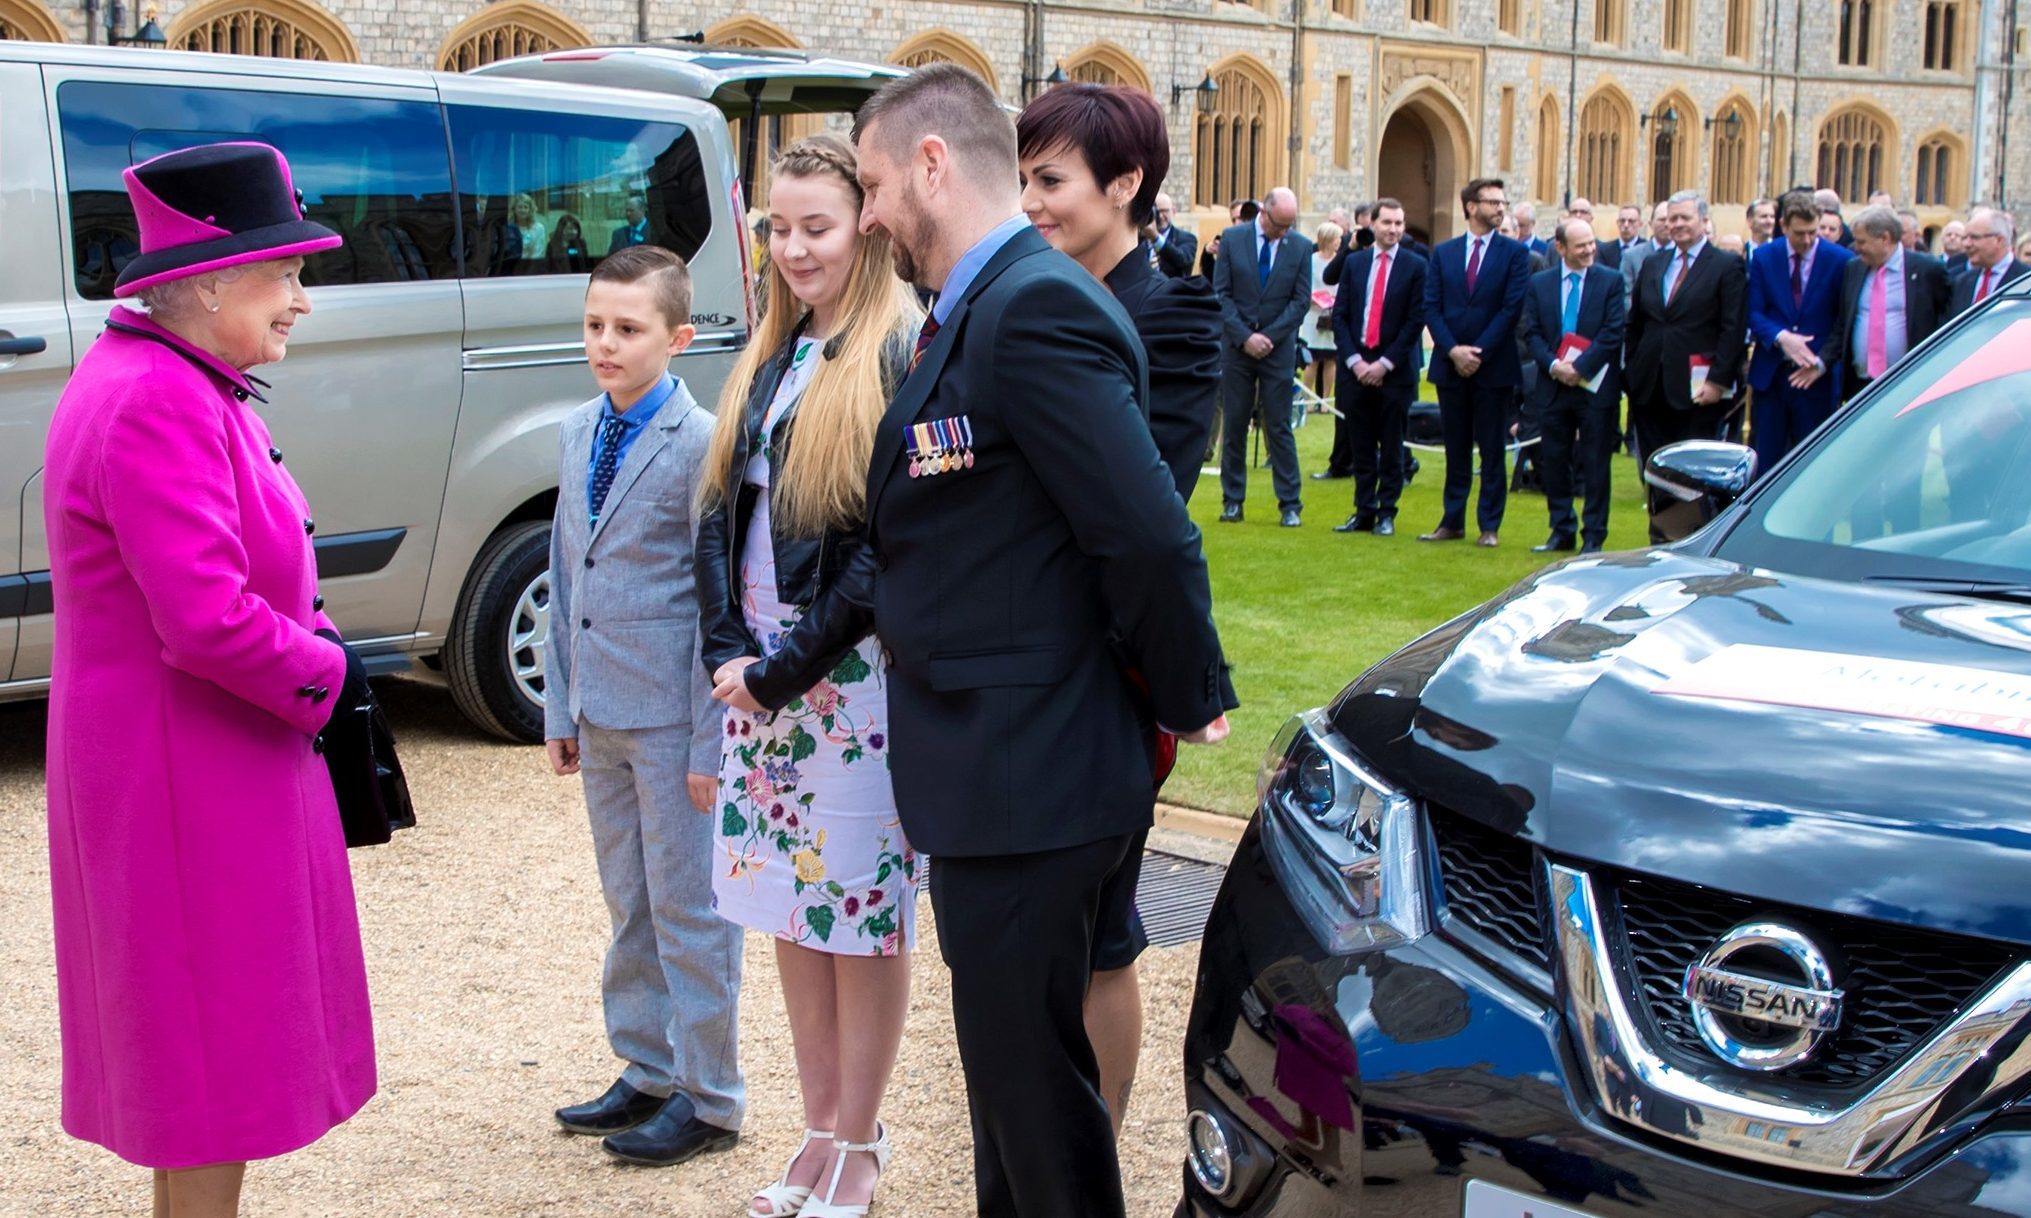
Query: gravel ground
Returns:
{"type": "Point", "coordinates": [484, 930]}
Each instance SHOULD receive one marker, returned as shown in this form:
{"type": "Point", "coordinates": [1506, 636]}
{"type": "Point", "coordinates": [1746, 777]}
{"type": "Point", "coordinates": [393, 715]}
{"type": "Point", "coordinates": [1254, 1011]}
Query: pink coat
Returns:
{"type": "Point", "coordinates": [210, 982]}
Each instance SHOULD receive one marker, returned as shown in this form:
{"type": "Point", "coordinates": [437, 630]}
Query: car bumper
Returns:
{"type": "Point", "coordinates": [1380, 1084]}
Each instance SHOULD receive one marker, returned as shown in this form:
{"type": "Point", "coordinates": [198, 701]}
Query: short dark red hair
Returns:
{"type": "Point", "coordinates": [1116, 128]}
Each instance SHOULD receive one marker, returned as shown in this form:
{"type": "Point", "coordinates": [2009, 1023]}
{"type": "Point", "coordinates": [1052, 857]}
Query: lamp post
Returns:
{"type": "Point", "coordinates": [150, 34]}
{"type": "Point", "coordinates": [1056, 78]}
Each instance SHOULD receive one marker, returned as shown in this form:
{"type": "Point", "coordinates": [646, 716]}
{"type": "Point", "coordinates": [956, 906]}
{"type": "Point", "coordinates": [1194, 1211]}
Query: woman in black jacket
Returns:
{"type": "Point", "coordinates": [811, 851]}
{"type": "Point", "coordinates": [1093, 159]}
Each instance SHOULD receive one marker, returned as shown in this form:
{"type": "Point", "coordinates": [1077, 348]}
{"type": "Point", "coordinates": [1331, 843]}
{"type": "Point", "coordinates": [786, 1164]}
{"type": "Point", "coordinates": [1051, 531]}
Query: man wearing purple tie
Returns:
{"type": "Point", "coordinates": [1794, 310]}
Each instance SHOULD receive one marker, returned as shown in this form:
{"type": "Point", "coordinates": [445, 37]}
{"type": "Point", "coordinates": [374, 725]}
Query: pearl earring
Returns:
{"type": "Point", "coordinates": [214, 306]}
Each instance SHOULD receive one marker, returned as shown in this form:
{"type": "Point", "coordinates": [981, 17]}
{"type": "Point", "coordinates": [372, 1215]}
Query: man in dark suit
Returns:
{"type": "Point", "coordinates": [1892, 299]}
{"type": "Point", "coordinates": [1794, 312]}
{"type": "Point", "coordinates": [1988, 241]}
{"type": "Point", "coordinates": [1525, 216]}
{"type": "Point", "coordinates": [1176, 250]}
{"type": "Point", "coordinates": [1953, 247]}
{"type": "Point", "coordinates": [1575, 299]}
{"type": "Point", "coordinates": [1687, 322]}
{"type": "Point", "coordinates": [636, 230]}
{"type": "Point", "coordinates": [1264, 281]}
{"type": "Point", "coordinates": [1021, 554]}
{"type": "Point", "coordinates": [1473, 295]}
{"type": "Point", "coordinates": [1763, 224]}
{"type": "Point", "coordinates": [1378, 336]}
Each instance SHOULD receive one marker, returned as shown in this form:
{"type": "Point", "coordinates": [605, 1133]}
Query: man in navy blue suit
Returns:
{"type": "Point", "coordinates": [1378, 336]}
{"type": "Point", "coordinates": [1794, 308]}
{"type": "Point", "coordinates": [1473, 296]}
{"type": "Point", "coordinates": [1572, 324]}
{"type": "Point", "coordinates": [1263, 278]}
{"type": "Point", "coordinates": [1525, 215]}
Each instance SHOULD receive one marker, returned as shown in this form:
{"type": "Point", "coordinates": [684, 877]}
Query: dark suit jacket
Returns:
{"type": "Point", "coordinates": [1403, 316]}
{"type": "Point", "coordinates": [1010, 593]}
{"type": "Point", "coordinates": [1955, 264]}
{"type": "Point", "coordinates": [1276, 308]}
{"type": "Point", "coordinates": [1538, 245]}
{"type": "Point", "coordinates": [1964, 284]}
{"type": "Point", "coordinates": [1608, 253]}
{"type": "Point", "coordinates": [1178, 253]}
{"type": "Point", "coordinates": [1485, 318]}
{"type": "Point", "coordinates": [1601, 322]}
{"type": "Point", "coordinates": [624, 236]}
{"type": "Point", "coordinates": [1708, 316]}
{"type": "Point", "coordinates": [1927, 298]}
{"type": "Point", "coordinates": [1771, 311]}
{"type": "Point", "coordinates": [1179, 324]}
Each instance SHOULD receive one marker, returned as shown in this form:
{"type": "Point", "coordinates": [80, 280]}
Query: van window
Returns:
{"type": "Point", "coordinates": [376, 172]}
{"type": "Point", "coordinates": [552, 194]}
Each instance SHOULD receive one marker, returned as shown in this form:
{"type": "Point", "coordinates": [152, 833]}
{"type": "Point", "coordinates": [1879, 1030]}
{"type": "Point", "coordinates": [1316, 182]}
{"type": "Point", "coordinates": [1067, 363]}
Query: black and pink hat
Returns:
{"type": "Point", "coordinates": [215, 206]}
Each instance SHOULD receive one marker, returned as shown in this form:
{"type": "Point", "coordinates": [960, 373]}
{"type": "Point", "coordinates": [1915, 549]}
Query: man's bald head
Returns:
{"type": "Point", "coordinates": [1280, 209]}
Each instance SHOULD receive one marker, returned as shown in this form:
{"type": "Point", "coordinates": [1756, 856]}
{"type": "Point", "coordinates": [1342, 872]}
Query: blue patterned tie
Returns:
{"type": "Point", "coordinates": [607, 464]}
{"type": "Point", "coordinates": [1263, 260]}
{"type": "Point", "coordinates": [1572, 312]}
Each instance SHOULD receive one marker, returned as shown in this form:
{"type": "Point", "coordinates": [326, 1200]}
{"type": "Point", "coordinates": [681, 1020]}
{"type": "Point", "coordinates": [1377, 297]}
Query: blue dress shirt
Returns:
{"type": "Point", "coordinates": [970, 264]}
{"type": "Point", "coordinates": [634, 420]}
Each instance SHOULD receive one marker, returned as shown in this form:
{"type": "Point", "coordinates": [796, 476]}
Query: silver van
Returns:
{"type": "Point", "coordinates": [419, 407]}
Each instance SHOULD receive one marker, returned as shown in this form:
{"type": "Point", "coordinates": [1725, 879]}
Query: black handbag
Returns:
{"type": "Point", "coordinates": [366, 777]}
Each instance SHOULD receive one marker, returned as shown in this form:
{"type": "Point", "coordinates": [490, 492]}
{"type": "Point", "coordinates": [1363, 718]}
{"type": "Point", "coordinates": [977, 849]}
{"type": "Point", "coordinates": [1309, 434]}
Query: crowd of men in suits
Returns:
{"type": "Point", "coordinates": [1702, 334]}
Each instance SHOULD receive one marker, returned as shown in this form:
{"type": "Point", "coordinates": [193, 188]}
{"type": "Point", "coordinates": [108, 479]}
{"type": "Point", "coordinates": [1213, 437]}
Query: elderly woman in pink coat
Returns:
{"type": "Point", "coordinates": [210, 981]}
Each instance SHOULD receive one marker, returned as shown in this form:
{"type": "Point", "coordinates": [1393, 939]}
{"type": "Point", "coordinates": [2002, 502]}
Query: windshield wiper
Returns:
{"type": "Point", "coordinates": [1984, 589]}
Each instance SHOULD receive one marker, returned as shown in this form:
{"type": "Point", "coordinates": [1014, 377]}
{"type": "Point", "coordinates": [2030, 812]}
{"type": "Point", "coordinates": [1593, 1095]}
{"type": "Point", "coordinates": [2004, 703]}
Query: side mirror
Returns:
{"type": "Point", "coordinates": [1692, 482]}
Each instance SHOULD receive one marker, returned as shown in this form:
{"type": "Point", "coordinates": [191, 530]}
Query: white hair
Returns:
{"type": "Point", "coordinates": [1689, 196]}
{"type": "Point", "coordinates": [176, 298]}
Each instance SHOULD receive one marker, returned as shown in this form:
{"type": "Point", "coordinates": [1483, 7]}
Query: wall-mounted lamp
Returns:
{"type": "Point", "coordinates": [1731, 126]}
{"type": "Point", "coordinates": [1205, 94]}
{"type": "Point", "coordinates": [149, 35]}
{"type": "Point", "coordinates": [1667, 122]}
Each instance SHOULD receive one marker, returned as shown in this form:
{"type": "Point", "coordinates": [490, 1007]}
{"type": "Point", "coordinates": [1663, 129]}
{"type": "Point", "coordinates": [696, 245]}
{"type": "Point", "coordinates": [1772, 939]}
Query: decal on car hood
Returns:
{"type": "Point", "coordinates": [1949, 695]}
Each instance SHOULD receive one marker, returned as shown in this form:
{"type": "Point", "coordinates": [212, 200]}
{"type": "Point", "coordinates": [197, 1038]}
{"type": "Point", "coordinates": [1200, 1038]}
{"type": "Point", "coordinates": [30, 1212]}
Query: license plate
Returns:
{"type": "Point", "coordinates": [1485, 1200]}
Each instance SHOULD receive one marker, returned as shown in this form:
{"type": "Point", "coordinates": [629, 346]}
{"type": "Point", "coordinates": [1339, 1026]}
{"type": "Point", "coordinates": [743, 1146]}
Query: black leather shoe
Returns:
{"type": "Point", "coordinates": [1554, 545]}
{"type": "Point", "coordinates": [1356, 523]}
{"type": "Point", "coordinates": [622, 1107]}
{"type": "Point", "coordinates": [1385, 527]}
{"type": "Point", "coordinates": [1592, 547]}
{"type": "Point", "coordinates": [670, 1137]}
{"type": "Point", "coordinates": [1291, 519]}
{"type": "Point", "coordinates": [1327, 475]}
{"type": "Point", "coordinates": [1230, 513]}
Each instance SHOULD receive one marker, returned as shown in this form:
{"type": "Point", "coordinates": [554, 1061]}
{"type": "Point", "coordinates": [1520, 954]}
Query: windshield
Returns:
{"type": "Point", "coordinates": [1926, 482]}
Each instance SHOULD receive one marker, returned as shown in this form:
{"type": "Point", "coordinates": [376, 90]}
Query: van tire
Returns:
{"type": "Point", "coordinates": [478, 663]}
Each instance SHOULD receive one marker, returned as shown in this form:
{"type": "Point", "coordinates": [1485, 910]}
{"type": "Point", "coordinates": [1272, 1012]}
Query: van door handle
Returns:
{"type": "Point", "coordinates": [32, 345]}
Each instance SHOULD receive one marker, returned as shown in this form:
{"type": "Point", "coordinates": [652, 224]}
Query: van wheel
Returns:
{"type": "Point", "coordinates": [493, 655]}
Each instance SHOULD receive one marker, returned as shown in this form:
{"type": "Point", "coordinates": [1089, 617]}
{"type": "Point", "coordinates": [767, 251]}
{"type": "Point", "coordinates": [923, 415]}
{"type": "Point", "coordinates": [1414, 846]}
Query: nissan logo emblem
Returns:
{"type": "Point", "coordinates": [1763, 997]}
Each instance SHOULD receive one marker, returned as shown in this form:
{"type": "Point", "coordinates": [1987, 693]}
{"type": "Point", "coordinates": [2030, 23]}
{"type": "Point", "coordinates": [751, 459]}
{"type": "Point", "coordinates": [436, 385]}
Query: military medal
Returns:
{"type": "Point", "coordinates": [965, 439]}
{"type": "Point", "coordinates": [914, 440]}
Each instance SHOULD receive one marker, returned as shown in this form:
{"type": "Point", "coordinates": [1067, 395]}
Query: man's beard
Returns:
{"type": "Point", "coordinates": [907, 232]}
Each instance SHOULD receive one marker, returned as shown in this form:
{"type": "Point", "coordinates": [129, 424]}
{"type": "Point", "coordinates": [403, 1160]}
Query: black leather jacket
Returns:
{"type": "Point", "coordinates": [806, 567]}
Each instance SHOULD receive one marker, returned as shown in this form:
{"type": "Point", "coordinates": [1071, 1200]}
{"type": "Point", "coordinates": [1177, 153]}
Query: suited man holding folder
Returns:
{"type": "Point", "coordinates": [1687, 319]}
{"type": "Point", "coordinates": [1572, 325]}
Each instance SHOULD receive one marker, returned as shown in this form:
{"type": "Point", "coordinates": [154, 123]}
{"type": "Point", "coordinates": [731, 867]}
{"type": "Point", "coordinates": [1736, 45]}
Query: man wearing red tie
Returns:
{"type": "Point", "coordinates": [1989, 240]}
{"type": "Point", "coordinates": [1378, 335]}
{"type": "Point", "coordinates": [1892, 299]}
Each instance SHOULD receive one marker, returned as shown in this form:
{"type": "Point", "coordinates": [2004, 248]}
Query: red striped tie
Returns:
{"type": "Point", "coordinates": [924, 337]}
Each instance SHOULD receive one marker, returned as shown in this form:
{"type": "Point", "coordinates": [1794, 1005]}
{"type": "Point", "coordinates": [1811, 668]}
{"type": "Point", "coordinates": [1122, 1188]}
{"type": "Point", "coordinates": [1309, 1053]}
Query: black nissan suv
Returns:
{"type": "Point", "coordinates": [1686, 882]}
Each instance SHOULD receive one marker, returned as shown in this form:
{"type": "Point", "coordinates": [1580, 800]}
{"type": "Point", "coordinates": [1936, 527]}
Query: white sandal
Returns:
{"type": "Point", "coordinates": [786, 1200]}
{"type": "Point", "coordinates": [879, 1148]}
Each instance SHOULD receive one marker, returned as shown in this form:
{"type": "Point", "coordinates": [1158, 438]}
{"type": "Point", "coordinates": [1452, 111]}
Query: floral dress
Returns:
{"type": "Point", "coordinates": [811, 848]}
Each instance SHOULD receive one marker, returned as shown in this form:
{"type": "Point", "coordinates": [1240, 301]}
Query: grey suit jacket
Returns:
{"type": "Point", "coordinates": [623, 650]}
{"type": "Point", "coordinates": [1250, 306]}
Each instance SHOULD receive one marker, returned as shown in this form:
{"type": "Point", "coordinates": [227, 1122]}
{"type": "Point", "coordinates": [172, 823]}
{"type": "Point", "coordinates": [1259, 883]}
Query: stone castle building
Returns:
{"type": "Point", "coordinates": [1617, 100]}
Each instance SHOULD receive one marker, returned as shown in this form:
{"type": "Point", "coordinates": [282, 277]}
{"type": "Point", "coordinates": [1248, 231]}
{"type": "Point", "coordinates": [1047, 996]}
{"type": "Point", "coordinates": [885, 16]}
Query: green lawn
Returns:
{"type": "Point", "coordinates": [1302, 612]}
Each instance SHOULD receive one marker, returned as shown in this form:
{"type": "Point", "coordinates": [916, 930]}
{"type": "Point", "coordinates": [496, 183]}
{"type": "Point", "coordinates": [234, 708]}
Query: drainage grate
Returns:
{"type": "Point", "coordinates": [1175, 895]}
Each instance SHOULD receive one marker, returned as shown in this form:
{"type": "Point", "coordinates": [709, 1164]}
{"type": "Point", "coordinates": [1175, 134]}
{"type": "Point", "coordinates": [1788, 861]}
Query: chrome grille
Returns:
{"type": "Point", "coordinates": [1901, 983]}
{"type": "Point", "coordinates": [1492, 884]}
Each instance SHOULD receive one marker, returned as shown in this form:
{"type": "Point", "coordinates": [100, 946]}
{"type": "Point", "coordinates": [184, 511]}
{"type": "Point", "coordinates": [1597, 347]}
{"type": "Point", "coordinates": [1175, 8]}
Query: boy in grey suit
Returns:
{"type": "Point", "coordinates": [626, 704]}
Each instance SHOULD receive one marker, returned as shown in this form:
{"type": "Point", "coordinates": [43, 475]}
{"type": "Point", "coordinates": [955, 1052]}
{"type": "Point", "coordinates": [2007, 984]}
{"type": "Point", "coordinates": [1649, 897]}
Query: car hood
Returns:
{"type": "Point", "coordinates": [1831, 745]}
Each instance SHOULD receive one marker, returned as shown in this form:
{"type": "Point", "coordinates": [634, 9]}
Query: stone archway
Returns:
{"type": "Point", "coordinates": [1423, 159]}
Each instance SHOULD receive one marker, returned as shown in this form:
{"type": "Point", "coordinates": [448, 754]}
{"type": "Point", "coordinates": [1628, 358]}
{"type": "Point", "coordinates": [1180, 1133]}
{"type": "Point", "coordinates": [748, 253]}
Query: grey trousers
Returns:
{"type": "Point", "coordinates": [1243, 384]}
{"type": "Point", "coordinates": [672, 982]}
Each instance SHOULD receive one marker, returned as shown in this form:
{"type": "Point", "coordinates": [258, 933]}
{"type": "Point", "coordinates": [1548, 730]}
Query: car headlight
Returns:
{"type": "Point", "coordinates": [1346, 846]}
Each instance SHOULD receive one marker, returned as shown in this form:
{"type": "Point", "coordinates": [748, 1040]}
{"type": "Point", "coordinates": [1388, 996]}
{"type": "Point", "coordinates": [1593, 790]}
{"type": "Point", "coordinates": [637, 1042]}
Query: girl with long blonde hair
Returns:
{"type": "Point", "coordinates": [811, 850]}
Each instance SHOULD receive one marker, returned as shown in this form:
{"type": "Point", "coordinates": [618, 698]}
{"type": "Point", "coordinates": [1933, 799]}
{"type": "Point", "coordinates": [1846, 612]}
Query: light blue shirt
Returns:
{"type": "Point", "coordinates": [970, 264]}
{"type": "Point", "coordinates": [1895, 333]}
{"type": "Point", "coordinates": [1681, 259]}
{"type": "Point", "coordinates": [634, 421]}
